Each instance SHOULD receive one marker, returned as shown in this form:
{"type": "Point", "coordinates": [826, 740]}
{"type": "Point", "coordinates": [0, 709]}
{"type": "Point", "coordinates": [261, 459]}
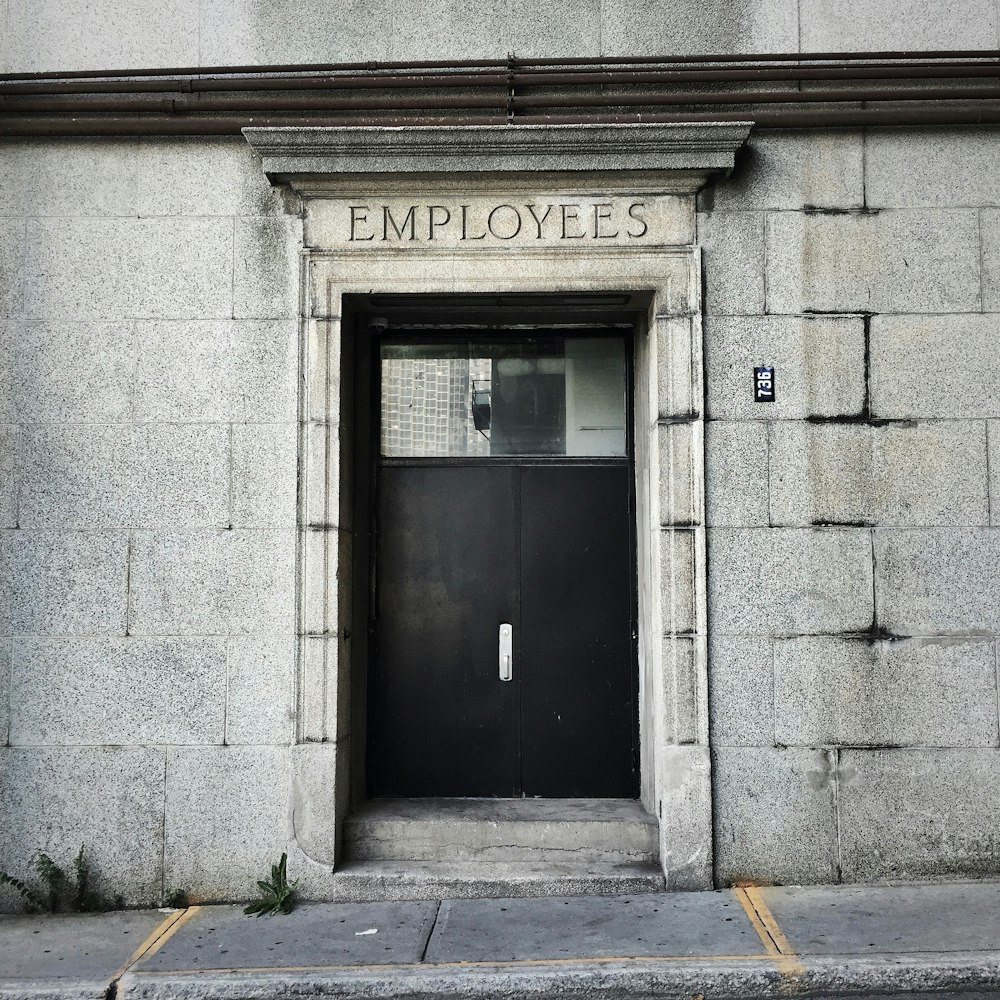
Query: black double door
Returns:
{"type": "Point", "coordinates": [463, 550]}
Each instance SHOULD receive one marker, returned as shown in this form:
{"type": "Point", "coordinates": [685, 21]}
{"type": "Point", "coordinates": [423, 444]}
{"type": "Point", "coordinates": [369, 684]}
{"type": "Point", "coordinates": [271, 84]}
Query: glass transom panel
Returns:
{"type": "Point", "coordinates": [487, 398]}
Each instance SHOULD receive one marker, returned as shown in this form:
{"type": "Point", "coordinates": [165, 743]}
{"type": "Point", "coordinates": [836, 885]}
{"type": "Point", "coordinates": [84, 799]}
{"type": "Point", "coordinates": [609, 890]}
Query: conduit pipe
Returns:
{"type": "Point", "coordinates": [523, 91]}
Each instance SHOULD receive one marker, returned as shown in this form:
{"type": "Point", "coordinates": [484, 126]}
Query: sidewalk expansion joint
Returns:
{"type": "Point", "coordinates": [777, 946]}
{"type": "Point", "coordinates": [157, 938]}
{"type": "Point", "coordinates": [430, 931]}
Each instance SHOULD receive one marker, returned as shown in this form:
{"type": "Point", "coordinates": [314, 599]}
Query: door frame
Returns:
{"type": "Point", "coordinates": [675, 763]}
{"type": "Point", "coordinates": [323, 172]}
{"type": "Point", "coordinates": [442, 319]}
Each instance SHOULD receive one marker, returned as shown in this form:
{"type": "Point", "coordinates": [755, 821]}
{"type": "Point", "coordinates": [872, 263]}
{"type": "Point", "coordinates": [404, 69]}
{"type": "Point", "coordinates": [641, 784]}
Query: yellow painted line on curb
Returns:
{"type": "Point", "coordinates": [156, 939]}
{"type": "Point", "coordinates": [775, 943]}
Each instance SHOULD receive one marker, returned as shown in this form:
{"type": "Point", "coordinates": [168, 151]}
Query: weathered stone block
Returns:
{"type": "Point", "coordinates": [319, 688]}
{"type": "Point", "coordinates": [64, 583]}
{"type": "Point", "coordinates": [319, 478]}
{"type": "Point", "coordinates": [945, 581]}
{"type": "Point", "coordinates": [203, 176]}
{"type": "Point", "coordinates": [84, 177]}
{"type": "Point", "coordinates": [320, 795]}
{"type": "Point", "coordinates": [69, 691]}
{"type": "Point", "coordinates": [741, 691]}
{"type": "Point", "coordinates": [448, 29]}
{"type": "Point", "coordinates": [264, 475]}
{"type": "Point", "coordinates": [993, 442]}
{"type": "Point", "coordinates": [652, 27]}
{"type": "Point", "coordinates": [917, 261]}
{"type": "Point", "coordinates": [69, 372]}
{"type": "Point", "coordinates": [820, 362]}
{"type": "Point", "coordinates": [733, 262]}
{"type": "Point", "coordinates": [7, 414]}
{"type": "Point", "coordinates": [681, 483]}
{"type": "Point", "coordinates": [910, 25]}
{"type": "Point", "coordinates": [321, 360]}
{"type": "Point", "coordinates": [8, 484]}
{"type": "Point", "coordinates": [678, 714]}
{"type": "Point", "coordinates": [264, 373]}
{"type": "Point", "coordinates": [674, 379]}
{"type": "Point", "coordinates": [243, 32]}
{"type": "Point", "coordinates": [678, 573]}
{"type": "Point", "coordinates": [934, 168]}
{"type": "Point", "coordinates": [128, 268]}
{"type": "Point", "coordinates": [537, 30]}
{"type": "Point", "coordinates": [101, 35]}
{"type": "Point", "coordinates": [156, 475]}
{"type": "Point", "coordinates": [227, 818]}
{"type": "Point", "coordinates": [920, 692]}
{"type": "Point", "coordinates": [990, 223]}
{"type": "Point", "coordinates": [261, 688]}
{"type": "Point", "coordinates": [216, 370]}
{"type": "Point", "coordinates": [685, 810]}
{"type": "Point", "coordinates": [926, 474]}
{"type": "Point", "coordinates": [774, 815]}
{"type": "Point", "coordinates": [935, 366]}
{"type": "Point", "coordinates": [5, 653]}
{"type": "Point", "coordinates": [12, 250]}
{"type": "Point", "coordinates": [108, 799]}
{"type": "Point", "coordinates": [792, 170]}
{"type": "Point", "coordinates": [266, 279]}
{"type": "Point", "coordinates": [183, 371]}
{"type": "Point", "coordinates": [915, 814]}
{"type": "Point", "coordinates": [213, 583]}
{"type": "Point", "coordinates": [736, 488]}
{"type": "Point", "coordinates": [798, 580]}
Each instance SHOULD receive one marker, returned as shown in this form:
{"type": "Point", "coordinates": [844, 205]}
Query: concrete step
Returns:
{"type": "Point", "coordinates": [369, 881]}
{"type": "Point", "coordinates": [536, 831]}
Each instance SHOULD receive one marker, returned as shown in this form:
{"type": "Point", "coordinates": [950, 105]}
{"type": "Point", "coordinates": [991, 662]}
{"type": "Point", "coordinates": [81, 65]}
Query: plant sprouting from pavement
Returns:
{"type": "Point", "coordinates": [277, 895]}
{"type": "Point", "coordinates": [59, 891]}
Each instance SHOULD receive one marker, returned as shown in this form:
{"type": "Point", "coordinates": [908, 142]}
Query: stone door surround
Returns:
{"type": "Point", "coordinates": [540, 210]}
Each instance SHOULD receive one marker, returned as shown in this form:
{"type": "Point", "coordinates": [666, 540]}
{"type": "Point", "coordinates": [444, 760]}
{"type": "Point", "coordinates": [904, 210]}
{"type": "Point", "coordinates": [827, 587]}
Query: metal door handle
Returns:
{"type": "Point", "coordinates": [506, 651]}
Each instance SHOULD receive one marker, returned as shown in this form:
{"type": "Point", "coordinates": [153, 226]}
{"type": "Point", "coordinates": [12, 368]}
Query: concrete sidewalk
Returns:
{"type": "Point", "coordinates": [829, 941]}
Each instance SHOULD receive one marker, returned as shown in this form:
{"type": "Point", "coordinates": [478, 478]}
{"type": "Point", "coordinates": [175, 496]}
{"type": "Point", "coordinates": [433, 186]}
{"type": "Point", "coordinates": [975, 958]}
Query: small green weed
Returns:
{"type": "Point", "coordinates": [278, 895]}
{"type": "Point", "coordinates": [178, 900]}
{"type": "Point", "coordinates": [59, 891]}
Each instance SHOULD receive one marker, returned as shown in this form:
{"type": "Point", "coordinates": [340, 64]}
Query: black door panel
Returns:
{"type": "Point", "coordinates": [577, 706]}
{"type": "Point", "coordinates": [447, 577]}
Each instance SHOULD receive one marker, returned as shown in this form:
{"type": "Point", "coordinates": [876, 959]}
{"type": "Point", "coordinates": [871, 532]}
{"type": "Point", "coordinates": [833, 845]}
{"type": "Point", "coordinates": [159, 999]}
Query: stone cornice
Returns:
{"type": "Point", "coordinates": [698, 150]}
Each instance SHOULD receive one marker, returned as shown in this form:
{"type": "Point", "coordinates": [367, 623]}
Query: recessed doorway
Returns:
{"type": "Point", "coordinates": [504, 628]}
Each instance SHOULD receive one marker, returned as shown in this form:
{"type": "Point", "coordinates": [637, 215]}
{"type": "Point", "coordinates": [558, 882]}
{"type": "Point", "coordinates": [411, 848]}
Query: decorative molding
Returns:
{"type": "Point", "coordinates": [698, 149]}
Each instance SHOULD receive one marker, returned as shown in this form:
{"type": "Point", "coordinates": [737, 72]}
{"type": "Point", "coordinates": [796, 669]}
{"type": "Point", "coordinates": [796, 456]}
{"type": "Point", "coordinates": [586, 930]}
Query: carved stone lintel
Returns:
{"type": "Point", "coordinates": [691, 151]}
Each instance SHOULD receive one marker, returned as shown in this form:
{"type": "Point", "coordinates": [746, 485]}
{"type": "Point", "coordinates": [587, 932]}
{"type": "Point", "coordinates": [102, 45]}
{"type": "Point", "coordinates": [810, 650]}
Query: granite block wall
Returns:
{"type": "Point", "coordinates": [148, 394]}
{"type": "Point", "coordinates": [61, 35]}
{"type": "Point", "coordinates": [852, 555]}
{"type": "Point", "coordinates": [148, 502]}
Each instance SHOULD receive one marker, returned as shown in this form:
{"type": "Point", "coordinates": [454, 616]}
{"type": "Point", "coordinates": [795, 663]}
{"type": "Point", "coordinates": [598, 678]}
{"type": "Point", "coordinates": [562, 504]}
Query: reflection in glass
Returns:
{"type": "Point", "coordinates": [541, 396]}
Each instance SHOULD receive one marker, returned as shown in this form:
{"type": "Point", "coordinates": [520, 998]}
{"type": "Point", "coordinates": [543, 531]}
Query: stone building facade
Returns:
{"type": "Point", "coordinates": [183, 548]}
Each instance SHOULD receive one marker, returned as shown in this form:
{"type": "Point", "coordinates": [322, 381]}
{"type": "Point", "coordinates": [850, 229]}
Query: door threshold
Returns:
{"type": "Point", "coordinates": [373, 881]}
{"type": "Point", "coordinates": [588, 831]}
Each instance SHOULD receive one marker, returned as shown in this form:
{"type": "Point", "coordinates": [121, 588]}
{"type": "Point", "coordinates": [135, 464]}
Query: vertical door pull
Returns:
{"type": "Point", "coordinates": [506, 651]}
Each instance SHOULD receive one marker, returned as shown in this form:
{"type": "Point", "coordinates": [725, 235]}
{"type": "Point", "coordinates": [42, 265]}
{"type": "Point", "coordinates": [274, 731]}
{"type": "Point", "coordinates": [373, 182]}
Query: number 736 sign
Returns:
{"type": "Point", "coordinates": [763, 384]}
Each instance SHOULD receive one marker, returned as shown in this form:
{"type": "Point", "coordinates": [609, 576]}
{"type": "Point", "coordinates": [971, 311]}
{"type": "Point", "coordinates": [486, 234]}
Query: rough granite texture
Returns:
{"type": "Point", "coordinates": [147, 494]}
{"type": "Point", "coordinates": [862, 612]}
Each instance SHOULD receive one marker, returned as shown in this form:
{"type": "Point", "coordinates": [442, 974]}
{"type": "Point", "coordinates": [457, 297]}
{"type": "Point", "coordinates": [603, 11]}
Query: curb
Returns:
{"type": "Point", "coordinates": [952, 974]}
